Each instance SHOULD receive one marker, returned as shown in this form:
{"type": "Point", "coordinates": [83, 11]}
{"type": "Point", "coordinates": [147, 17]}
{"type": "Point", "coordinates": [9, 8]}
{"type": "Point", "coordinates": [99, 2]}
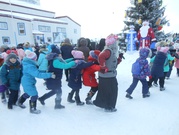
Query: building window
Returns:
{"type": "Point", "coordinates": [6, 40]}
{"type": "Point", "coordinates": [75, 31]}
{"type": "Point", "coordinates": [58, 37]}
{"type": "Point", "coordinates": [21, 29]}
{"type": "Point", "coordinates": [44, 28]}
{"type": "Point", "coordinates": [62, 31]}
{"type": "Point", "coordinates": [3, 26]}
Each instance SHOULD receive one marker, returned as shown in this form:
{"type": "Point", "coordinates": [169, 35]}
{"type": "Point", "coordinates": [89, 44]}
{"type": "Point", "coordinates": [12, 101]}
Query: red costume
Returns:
{"type": "Point", "coordinates": [145, 35]}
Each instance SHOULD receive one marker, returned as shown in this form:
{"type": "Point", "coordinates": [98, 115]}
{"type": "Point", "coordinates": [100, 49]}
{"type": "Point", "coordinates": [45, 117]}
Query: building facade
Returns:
{"type": "Point", "coordinates": [21, 22]}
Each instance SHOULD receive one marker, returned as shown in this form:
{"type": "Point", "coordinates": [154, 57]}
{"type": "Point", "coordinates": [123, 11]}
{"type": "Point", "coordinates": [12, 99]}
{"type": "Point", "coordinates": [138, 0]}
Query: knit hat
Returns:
{"type": "Point", "coordinates": [55, 49]}
{"type": "Point", "coordinates": [11, 55]}
{"type": "Point", "coordinates": [94, 54]}
{"type": "Point", "coordinates": [11, 51]}
{"type": "Point", "coordinates": [144, 52]}
{"type": "Point", "coordinates": [77, 54]}
{"type": "Point", "coordinates": [31, 55]}
{"type": "Point", "coordinates": [163, 49]}
{"type": "Point", "coordinates": [111, 39]}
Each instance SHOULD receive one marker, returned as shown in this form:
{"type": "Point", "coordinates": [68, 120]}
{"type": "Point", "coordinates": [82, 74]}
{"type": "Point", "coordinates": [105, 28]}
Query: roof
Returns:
{"type": "Point", "coordinates": [58, 17]}
{"type": "Point", "coordinates": [32, 17]}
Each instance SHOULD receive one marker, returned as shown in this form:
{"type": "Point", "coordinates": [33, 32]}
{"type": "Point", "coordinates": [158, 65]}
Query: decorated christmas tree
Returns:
{"type": "Point", "coordinates": [141, 10]}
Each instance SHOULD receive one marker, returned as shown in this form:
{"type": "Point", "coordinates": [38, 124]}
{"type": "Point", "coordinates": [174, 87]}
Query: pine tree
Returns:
{"type": "Point", "coordinates": [141, 10]}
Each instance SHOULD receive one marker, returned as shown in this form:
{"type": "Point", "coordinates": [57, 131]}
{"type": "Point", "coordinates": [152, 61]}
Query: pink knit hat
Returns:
{"type": "Point", "coordinates": [31, 55]}
{"type": "Point", "coordinates": [162, 49]}
{"type": "Point", "coordinates": [77, 54]}
{"type": "Point", "coordinates": [111, 39]}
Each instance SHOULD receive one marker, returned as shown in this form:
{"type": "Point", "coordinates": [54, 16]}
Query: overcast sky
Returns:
{"type": "Point", "coordinates": [99, 18]}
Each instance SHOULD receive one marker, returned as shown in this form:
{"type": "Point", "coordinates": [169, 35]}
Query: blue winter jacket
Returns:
{"type": "Point", "coordinates": [158, 60]}
{"type": "Point", "coordinates": [42, 61]}
{"type": "Point", "coordinates": [30, 71]}
{"type": "Point", "coordinates": [75, 81]}
{"type": "Point", "coordinates": [145, 69]}
{"type": "Point", "coordinates": [11, 74]}
{"type": "Point", "coordinates": [56, 65]}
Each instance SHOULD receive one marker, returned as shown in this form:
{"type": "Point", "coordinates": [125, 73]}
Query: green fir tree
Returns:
{"type": "Point", "coordinates": [141, 10]}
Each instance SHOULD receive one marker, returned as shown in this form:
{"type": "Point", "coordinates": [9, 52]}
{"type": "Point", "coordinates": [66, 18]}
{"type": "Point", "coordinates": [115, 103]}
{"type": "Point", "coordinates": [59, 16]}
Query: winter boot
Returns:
{"type": "Point", "coordinates": [162, 88]}
{"type": "Point", "coordinates": [69, 99]}
{"type": "Point", "coordinates": [58, 104]}
{"type": "Point", "coordinates": [9, 105]}
{"type": "Point", "coordinates": [33, 107]}
{"type": "Point", "coordinates": [146, 95]}
{"type": "Point", "coordinates": [110, 109]}
{"type": "Point", "coordinates": [88, 99]}
{"type": "Point", "coordinates": [78, 101]}
{"type": "Point", "coordinates": [41, 100]}
{"type": "Point", "coordinates": [21, 101]}
{"type": "Point", "coordinates": [129, 96]}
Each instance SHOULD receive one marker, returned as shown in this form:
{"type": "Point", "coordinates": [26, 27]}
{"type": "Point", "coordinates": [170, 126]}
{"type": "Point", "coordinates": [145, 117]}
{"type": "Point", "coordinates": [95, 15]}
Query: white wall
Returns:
{"type": "Point", "coordinates": [12, 31]}
{"type": "Point", "coordinates": [70, 30]}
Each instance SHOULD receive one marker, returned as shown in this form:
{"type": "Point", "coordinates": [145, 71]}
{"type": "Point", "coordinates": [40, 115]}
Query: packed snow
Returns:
{"type": "Point", "coordinates": [156, 115]}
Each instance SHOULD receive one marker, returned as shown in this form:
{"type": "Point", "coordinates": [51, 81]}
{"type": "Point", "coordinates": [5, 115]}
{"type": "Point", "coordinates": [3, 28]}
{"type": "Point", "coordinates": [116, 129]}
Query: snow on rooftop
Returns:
{"type": "Point", "coordinates": [26, 4]}
{"type": "Point", "coordinates": [31, 17]}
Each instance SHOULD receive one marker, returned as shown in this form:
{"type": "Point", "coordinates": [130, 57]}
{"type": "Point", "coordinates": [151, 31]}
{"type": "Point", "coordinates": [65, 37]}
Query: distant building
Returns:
{"type": "Point", "coordinates": [24, 21]}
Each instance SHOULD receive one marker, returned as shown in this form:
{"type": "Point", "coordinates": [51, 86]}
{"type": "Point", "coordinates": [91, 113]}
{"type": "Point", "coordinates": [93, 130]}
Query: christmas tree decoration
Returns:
{"type": "Point", "coordinates": [160, 27]}
{"type": "Point", "coordinates": [125, 14]}
{"type": "Point", "coordinates": [139, 1]}
{"type": "Point", "coordinates": [158, 21]}
{"type": "Point", "coordinates": [140, 21]}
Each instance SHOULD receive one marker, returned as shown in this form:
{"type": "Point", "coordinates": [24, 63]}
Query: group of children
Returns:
{"type": "Point", "coordinates": [50, 65]}
{"type": "Point", "coordinates": [156, 71]}
{"type": "Point", "coordinates": [15, 72]}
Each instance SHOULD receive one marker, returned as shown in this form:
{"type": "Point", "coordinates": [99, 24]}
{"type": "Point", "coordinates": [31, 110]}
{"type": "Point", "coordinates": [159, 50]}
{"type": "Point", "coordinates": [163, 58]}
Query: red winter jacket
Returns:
{"type": "Point", "coordinates": [88, 76]}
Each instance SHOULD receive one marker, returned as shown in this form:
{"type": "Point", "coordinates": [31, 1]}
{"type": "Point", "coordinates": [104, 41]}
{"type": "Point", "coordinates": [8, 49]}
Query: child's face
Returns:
{"type": "Point", "coordinates": [12, 60]}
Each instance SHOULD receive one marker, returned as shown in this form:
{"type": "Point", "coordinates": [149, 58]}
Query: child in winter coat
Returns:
{"type": "Point", "coordinates": [30, 71]}
{"type": "Point", "coordinates": [145, 71]}
{"type": "Point", "coordinates": [3, 88]}
{"type": "Point", "coordinates": [42, 62]}
{"type": "Point", "coordinates": [75, 82]}
{"type": "Point", "coordinates": [11, 73]}
{"type": "Point", "coordinates": [157, 71]}
{"type": "Point", "coordinates": [56, 65]}
{"type": "Point", "coordinates": [88, 75]}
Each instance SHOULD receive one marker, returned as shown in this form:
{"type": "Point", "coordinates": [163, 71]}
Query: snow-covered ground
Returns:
{"type": "Point", "coordinates": [156, 115]}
